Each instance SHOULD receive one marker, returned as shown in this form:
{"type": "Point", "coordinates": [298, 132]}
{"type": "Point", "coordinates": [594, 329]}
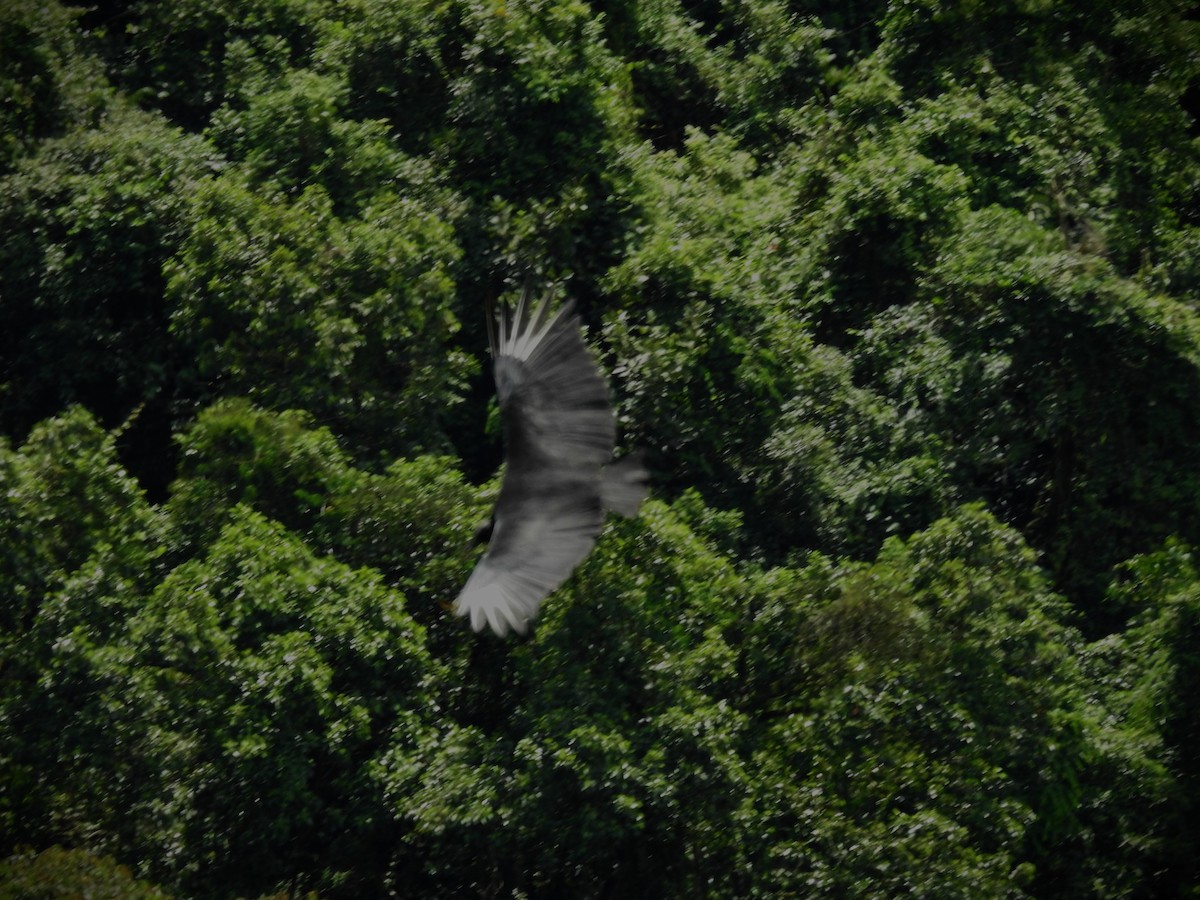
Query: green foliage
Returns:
{"type": "Point", "coordinates": [259, 276]}
{"type": "Point", "coordinates": [258, 679]}
{"type": "Point", "coordinates": [311, 663]}
{"type": "Point", "coordinates": [237, 454]}
{"type": "Point", "coordinates": [704, 369]}
{"type": "Point", "coordinates": [67, 505]}
{"type": "Point", "coordinates": [1140, 825]}
{"type": "Point", "coordinates": [398, 55]}
{"type": "Point", "coordinates": [175, 58]}
{"type": "Point", "coordinates": [81, 544]}
{"type": "Point", "coordinates": [289, 130]}
{"type": "Point", "coordinates": [920, 708]}
{"type": "Point", "coordinates": [410, 523]}
{"type": "Point", "coordinates": [899, 298]}
{"type": "Point", "coordinates": [598, 740]}
{"type": "Point", "coordinates": [88, 222]}
{"type": "Point", "coordinates": [541, 64]}
{"type": "Point", "coordinates": [47, 84]}
{"type": "Point", "coordinates": [56, 872]}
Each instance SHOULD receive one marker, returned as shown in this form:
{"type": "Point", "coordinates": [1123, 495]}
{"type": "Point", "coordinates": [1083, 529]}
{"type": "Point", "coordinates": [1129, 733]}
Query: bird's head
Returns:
{"type": "Point", "coordinates": [483, 531]}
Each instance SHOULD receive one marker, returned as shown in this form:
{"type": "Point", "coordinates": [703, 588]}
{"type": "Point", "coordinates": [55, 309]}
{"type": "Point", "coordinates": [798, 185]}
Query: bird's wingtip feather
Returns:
{"type": "Point", "coordinates": [491, 605]}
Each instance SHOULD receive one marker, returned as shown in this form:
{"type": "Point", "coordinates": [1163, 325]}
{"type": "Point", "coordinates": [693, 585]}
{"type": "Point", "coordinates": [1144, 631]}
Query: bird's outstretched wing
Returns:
{"type": "Point", "coordinates": [553, 401]}
{"type": "Point", "coordinates": [559, 434]}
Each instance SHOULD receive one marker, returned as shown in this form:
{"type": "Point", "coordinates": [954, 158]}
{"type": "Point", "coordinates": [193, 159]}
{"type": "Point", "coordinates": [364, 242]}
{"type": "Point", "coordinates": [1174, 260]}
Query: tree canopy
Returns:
{"type": "Point", "coordinates": [899, 298]}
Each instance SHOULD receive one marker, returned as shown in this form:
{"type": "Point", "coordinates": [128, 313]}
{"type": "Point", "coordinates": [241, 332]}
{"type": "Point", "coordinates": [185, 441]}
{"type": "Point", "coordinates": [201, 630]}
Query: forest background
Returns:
{"type": "Point", "coordinates": [900, 298]}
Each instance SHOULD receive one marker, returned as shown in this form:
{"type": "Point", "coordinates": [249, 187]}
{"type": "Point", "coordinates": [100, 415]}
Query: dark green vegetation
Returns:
{"type": "Point", "coordinates": [901, 299]}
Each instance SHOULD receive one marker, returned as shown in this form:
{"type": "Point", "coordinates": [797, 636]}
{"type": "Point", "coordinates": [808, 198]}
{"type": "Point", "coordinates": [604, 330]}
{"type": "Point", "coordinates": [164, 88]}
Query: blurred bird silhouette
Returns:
{"type": "Point", "coordinates": [559, 477]}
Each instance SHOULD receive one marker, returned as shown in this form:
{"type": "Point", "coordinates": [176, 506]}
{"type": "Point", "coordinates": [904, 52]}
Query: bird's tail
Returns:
{"type": "Point", "coordinates": [623, 485]}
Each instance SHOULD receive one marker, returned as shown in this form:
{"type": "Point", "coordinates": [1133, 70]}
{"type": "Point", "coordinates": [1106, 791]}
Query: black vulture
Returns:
{"type": "Point", "coordinates": [559, 475]}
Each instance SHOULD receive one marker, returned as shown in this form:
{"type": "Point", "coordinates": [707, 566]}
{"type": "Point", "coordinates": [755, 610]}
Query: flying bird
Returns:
{"type": "Point", "coordinates": [559, 477]}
